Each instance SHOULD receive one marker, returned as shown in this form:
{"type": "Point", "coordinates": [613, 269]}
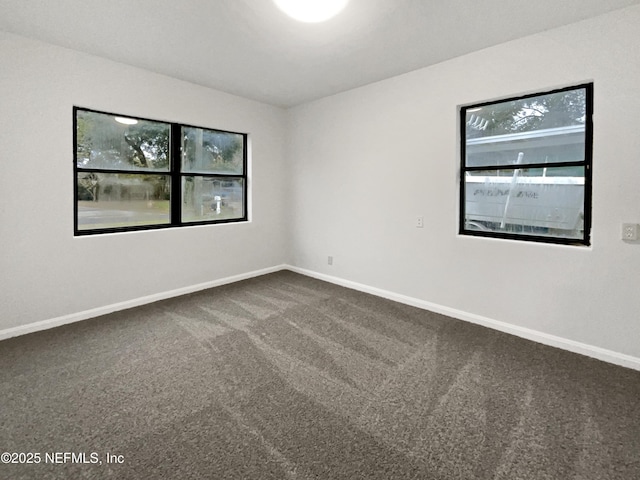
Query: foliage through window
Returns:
{"type": "Point", "coordinates": [133, 174]}
{"type": "Point", "coordinates": [526, 167]}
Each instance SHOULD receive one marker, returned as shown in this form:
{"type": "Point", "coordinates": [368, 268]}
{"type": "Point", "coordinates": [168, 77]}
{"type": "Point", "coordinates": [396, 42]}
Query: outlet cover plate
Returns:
{"type": "Point", "coordinates": [630, 231]}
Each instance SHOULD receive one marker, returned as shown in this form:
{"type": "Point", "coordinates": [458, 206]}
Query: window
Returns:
{"type": "Point", "coordinates": [135, 174]}
{"type": "Point", "coordinates": [526, 167]}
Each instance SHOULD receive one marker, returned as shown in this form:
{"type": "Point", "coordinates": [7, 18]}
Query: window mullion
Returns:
{"type": "Point", "coordinates": [514, 166]}
{"type": "Point", "coordinates": [176, 177]}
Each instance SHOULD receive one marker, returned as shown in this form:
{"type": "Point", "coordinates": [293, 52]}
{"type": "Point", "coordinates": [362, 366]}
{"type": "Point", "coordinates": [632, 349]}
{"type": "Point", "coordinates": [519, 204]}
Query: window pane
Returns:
{"type": "Point", "coordinates": [212, 198]}
{"type": "Point", "coordinates": [548, 202]}
{"type": "Point", "coordinates": [212, 151]}
{"type": "Point", "coordinates": [103, 141]}
{"type": "Point", "coordinates": [111, 200]}
{"type": "Point", "coordinates": [543, 129]}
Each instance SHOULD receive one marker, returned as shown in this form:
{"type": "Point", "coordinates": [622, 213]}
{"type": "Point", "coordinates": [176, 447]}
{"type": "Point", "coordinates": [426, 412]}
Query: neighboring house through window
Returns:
{"type": "Point", "coordinates": [526, 167]}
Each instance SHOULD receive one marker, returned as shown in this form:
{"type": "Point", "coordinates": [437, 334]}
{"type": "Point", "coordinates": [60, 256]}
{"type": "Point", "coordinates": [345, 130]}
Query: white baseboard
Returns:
{"type": "Point", "coordinates": [96, 312]}
{"type": "Point", "coordinates": [529, 334]}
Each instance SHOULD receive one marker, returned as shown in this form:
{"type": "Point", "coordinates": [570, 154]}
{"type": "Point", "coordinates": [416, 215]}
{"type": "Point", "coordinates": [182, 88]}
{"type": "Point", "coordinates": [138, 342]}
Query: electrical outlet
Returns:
{"type": "Point", "coordinates": [630, 231]}
{"type": "Point", "coordinates": [419, 222]}
{"type": "Point", "coordinates": [330, 260]}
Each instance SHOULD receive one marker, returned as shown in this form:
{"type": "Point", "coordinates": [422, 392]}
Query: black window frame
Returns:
{"type": "Point", "coordinates": [175, 173]}
{"type": "Point", "coordinates": [586, 163]}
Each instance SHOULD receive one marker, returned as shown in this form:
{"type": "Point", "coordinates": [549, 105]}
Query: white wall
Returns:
{"type": "Point", "coordinates": [46, 273]}
{"type": "Point", "coordinates": [366, 162]}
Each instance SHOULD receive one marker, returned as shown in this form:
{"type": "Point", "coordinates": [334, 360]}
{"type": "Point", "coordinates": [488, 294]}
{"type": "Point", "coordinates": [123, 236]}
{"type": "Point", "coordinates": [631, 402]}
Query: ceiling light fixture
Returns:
{"type": "Point", "coordinates": [126, 121]}
{"type": "Point", "coordinates": [311, 11]}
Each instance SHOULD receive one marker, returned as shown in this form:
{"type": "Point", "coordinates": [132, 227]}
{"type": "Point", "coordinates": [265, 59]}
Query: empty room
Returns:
{"type": "Point", "coordinates": [347, 239]}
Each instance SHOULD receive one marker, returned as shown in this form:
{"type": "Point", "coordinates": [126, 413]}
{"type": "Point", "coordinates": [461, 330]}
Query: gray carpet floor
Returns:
{"type": "Point", "coordinates": [288, 377]}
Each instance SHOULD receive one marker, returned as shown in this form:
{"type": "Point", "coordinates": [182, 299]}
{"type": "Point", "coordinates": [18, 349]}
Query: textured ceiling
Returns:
{"type": "Point", "coordinates": [249, 48]}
